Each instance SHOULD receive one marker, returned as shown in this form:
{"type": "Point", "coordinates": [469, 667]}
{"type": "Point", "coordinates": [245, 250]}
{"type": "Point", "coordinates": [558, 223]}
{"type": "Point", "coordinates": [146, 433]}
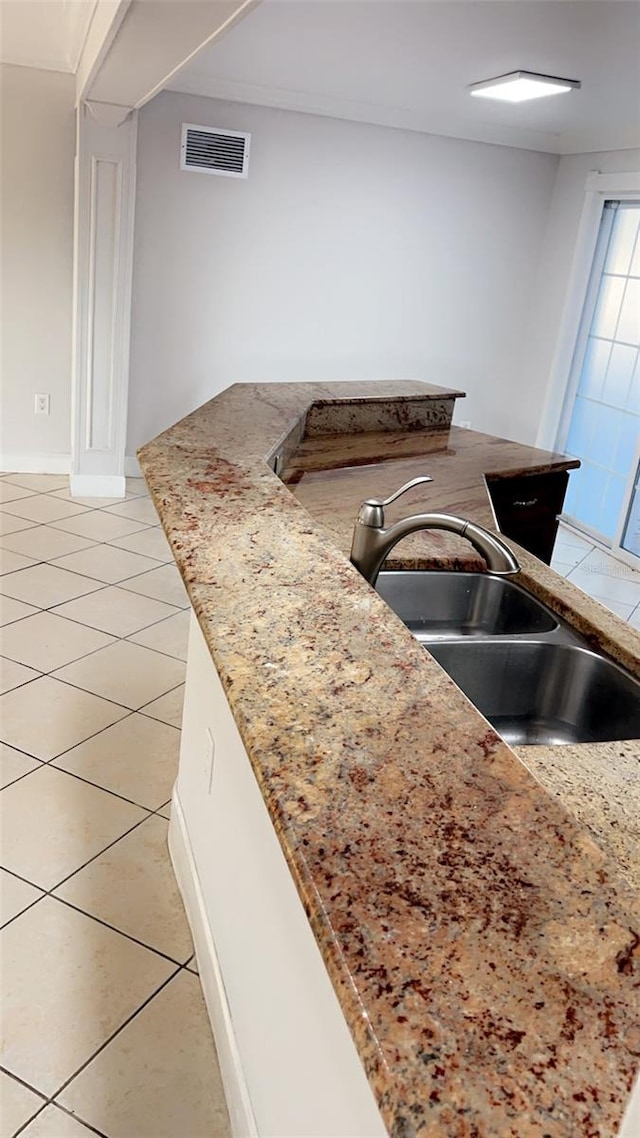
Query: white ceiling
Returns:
{"type": "Point", "coordinates": [44, 33]}
{"type": "Point", "coordinates": [408, 64]}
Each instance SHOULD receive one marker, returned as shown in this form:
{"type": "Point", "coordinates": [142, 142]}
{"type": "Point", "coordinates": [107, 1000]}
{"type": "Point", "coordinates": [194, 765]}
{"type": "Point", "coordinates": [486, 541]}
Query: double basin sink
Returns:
{"type": "Point", "coordinates": [529, 673]}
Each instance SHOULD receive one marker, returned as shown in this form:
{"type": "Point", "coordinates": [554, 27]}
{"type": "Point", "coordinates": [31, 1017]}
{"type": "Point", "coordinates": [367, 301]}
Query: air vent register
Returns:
{"type": "Point", "coordinates": [211, 151]}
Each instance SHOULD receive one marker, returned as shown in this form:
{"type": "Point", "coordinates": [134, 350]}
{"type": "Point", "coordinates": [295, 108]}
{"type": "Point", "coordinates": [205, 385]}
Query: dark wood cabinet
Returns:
{"type": "Point", "coordinates": [527, 508]}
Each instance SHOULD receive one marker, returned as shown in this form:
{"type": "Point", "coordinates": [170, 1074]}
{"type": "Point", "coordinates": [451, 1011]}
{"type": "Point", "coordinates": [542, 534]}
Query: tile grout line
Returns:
{"type": "Point", "coordinates": [122, 1026]}
{"type": "Point", "coordinates": [87, 691]}
{"type": "Point", "coordinates": [24, 773]}
{"type": "Point", "coordinates": [75, 660]}
{"type": "Point", "coordinates": [91, 916]}
{"type": "Point", "coordinates": [63, 881]}
{"type": "Point", "coordinates": [114, 928]}
{"type": "Point", "coordinates": [52, 608]}
{"type": "Point", "coordinates": [94, 735]}
{"type": "Point", "coordinates": [45, 1103]}
{"type": "Point", "coordinates": [88, 781]}
{"type": "Point", "coordinates": [597, 547]}
{"type": "Point", "coordinates": [52, 1099]}
{"type": "Point", "coordinates": [94, 543]}
{"type": "Point", "coordinates": [52, 563]}
{"type": "Point", "coordinates": [76, 1117]}
{"type": "Point", "coordinates": [130, 712]}
{"type": "Point", "coordinates": [52, 495]}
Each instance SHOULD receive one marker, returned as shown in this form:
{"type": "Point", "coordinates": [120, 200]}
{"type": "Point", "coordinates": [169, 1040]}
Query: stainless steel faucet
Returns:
{"type": "Point", "coordinates": [372, 543]}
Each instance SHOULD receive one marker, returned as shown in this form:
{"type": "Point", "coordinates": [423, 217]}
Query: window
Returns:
{"type": "Point", "coordinates": [601, 422]}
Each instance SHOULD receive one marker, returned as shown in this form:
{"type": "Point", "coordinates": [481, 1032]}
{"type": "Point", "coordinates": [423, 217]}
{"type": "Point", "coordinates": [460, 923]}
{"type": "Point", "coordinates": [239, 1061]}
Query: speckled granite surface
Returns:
{"type": "Point", "coordinates": [483, 944]}
{"type": "Point", "coordinates": [601, 787]}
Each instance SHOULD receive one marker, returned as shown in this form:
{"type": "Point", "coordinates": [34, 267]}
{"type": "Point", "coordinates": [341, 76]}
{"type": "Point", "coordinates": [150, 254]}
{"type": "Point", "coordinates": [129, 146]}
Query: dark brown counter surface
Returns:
{"type": "Point", "coordinates": [481, 938]}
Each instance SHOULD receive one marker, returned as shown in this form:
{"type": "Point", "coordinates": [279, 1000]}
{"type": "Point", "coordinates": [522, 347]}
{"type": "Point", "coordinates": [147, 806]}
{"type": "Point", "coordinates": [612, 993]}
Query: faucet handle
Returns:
{"type": "Point", "coordinates": [403, 489]}
{"type": "Point", "coordinates": [372, 509]}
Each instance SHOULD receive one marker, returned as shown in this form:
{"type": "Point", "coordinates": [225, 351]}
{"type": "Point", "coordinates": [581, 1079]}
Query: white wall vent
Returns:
{"type": "Point", "coordinates": [213, 151]}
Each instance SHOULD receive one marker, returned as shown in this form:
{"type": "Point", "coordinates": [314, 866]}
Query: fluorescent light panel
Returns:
{"type": "Point", "coordinates": [518, 86]}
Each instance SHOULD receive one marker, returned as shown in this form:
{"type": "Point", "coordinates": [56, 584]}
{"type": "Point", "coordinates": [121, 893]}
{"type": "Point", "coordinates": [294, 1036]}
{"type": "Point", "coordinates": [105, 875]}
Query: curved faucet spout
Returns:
{"type": "Point", "coordinates": [372, 543]}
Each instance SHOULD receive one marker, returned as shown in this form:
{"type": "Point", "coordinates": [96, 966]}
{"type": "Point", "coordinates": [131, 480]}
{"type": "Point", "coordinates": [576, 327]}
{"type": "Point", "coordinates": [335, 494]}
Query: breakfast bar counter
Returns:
{"type": "Point", "coordinates": [476, 910]}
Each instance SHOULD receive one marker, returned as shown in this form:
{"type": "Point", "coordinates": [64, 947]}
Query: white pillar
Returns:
{"type": "Point", "coordinates": [103, 261]}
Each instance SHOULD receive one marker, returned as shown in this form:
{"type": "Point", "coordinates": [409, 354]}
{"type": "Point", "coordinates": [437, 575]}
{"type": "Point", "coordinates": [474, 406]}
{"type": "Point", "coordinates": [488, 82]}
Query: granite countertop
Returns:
{"type": "Point", "coordinates": [473, 914]}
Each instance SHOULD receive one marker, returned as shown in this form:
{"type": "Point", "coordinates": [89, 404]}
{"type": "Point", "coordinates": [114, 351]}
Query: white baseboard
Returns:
{"type": "Point", "coordinates": [19, 463]}
{"type": "Point", "coordinates": [98, 485]}
{"type": "Point", "coordinates": [243, 1123]}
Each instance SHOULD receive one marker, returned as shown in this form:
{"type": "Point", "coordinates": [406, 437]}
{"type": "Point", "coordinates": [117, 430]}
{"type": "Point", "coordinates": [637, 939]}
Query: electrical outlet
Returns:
{"type": "Point", "coordinates": [210, 750]}
{"type": "Point", "coordinates": [42, 404]}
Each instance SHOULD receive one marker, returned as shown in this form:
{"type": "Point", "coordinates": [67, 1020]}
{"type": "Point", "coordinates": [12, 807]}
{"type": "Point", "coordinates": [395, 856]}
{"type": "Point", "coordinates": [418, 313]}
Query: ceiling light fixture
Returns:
{"type": "Point", "coordinates": [518, 86]}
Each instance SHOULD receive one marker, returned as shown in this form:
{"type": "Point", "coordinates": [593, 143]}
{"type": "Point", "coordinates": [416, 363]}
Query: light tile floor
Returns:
{"type": "Point", "coordinates": [612, 582]}
{"type": "Point", "coordinates": [104, 1026]}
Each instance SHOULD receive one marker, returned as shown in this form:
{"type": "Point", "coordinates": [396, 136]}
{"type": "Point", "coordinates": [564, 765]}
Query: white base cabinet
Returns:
{"type": "Point", "coordinates": [289, 1065]}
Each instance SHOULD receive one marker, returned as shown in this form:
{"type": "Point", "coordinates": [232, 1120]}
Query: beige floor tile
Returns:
{"type": "Point", "coordinates": [125, 673]}
{"type": "Point", "coordinates": [65, 717]}
{"type": "Point", "coordinates": [170, 636]}
{"type": "Point", "coordinates": [137, 758]}
{"type": "Point", "coordinates": [70, 983]}
{"type": "Point", "coordinates": [11, 610]}
{"type": "Point", "coordinates": [13, 675]}
{"type": "Point", "coordinates": [562, 567]}
{"type": "Point", "coordinates": [11, 562]}
{"type": "Point", "coordinates": [98, 525]}
{"type": "Point", "coordinates": [15, 896]}
{"type": "Point", "coordinates": [168, 708]}
{"type": "Point", "coordinates": [159, 1077]}
{"type": "Point", "coordinates": [9, 492]}
{"type": "Point", "coordinates": [91, 503]}
{"type": "Point", "coordinates": [9, 523]}
{"type": "Point", "coordinates": [137, 487]}
{"type": "Point", "coordinates": [53, 1122]}
{"type": "Point", "coordinates": [43, 543]}
{"type": "Point", "coordinates": [138, 509]}
{"type": "Point", "coordinates": [599, 561]}
{"type": "Point", "coordinates": [46, 585]}
{"type": "Point", "coordinates": [43, 508]}
{"type": "Point", "coordinates": [165, 811]}
{"type": "Point", "coordinates": [568, 554]}
{"type": "Point", "coordinates": [47, 641]}
{"type": "Point", "coordinates": [107, 563]}
{"type": "Point", "coordinates": [618, 607]}
{"type": "Point", "coordinates": [150, 542]}
{"type": "Point", "coordinates": [132, 887]}
{"type": "Point", "coordinates": [193, 966]}
{"type": "Point", "coordinates": [623, 589]}
{"type": "Point", "coordinates": [17, 1105]}
{"type": "Point", "coordinates": [40, 483]}
{"type": "Point", "coordinates": [14, 764]}
{"type": "Point", "coordinates": [163, 584]}
{"type": "Point", "coordinates": [70, 822]}
{"type": "Point", "coordinates": [116, 611]}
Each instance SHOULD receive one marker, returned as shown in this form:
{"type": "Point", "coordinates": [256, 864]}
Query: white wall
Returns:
{"type": "Point", "coordinates": [554, 272]}
{"type": "Point", "coordinates": [351, 252]}
{"type": "Point", "coordinates": [36, 161]}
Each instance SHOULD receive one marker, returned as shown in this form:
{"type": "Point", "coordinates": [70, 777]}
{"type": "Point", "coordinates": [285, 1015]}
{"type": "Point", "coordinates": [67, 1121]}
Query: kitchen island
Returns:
{"type": "Point", "coordinates": [480, 936]}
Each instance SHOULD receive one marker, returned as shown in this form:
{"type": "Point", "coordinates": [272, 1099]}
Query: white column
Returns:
{"type": "Point", "coordinates": [103, 260]}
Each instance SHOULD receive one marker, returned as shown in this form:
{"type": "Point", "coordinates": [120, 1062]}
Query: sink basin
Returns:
{"type": "Point", "coordinates": [437, 605]}
{"type": "Point", "coordinates": [544, 693]}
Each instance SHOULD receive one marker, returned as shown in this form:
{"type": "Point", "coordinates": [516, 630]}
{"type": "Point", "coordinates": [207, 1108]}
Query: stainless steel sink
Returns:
{"type": "Point", "coordinates": [437, 605]}
{"type": "Point", "coordinates": [544, 693]}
